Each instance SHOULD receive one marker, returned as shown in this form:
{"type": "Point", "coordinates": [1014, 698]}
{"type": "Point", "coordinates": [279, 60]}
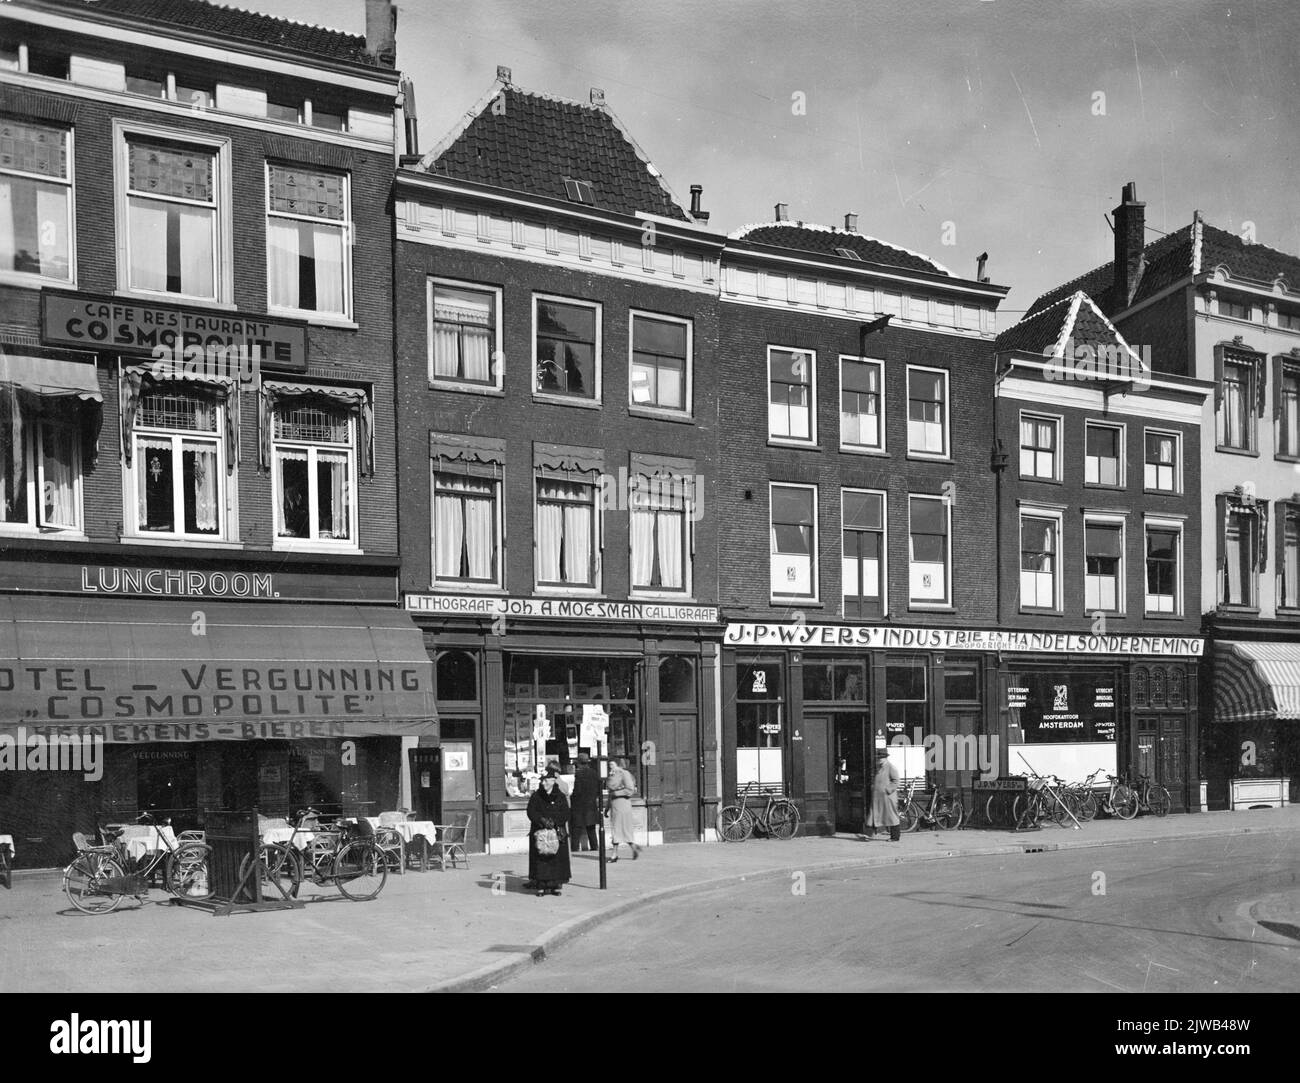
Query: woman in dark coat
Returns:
{"type": "Point", "coordinates": [548, 807]}
{"type": "Point", "coordinates": [585, 800]}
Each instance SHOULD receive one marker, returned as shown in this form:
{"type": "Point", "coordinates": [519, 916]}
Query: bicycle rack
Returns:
{"type": "Point", "coordinates": [232, 837]}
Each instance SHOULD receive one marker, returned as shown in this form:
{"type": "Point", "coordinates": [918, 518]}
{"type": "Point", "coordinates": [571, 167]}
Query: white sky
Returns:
{"type": "Point", "coordinates": [979, 113]}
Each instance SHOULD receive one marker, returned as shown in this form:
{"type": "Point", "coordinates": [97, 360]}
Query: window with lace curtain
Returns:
{"type": "Point", "coordinates": [40, 465]}
{"type": "Point", "coordinates": [35, 199]}
{"type": "Point", "coordinates": [464, 334]}
{"type": "Point", "coordinates": [315, 476]}
{"type": "Point", "coordinates": [658, 510]}
{"type": "Point", "coordinates": [308, 218]}
{"type": "Point", "coordinates": [566, 535]}
{"type": "Point", "coordinates": [179, 465]}
{"type": "Point", "coordinates": [466, 527]}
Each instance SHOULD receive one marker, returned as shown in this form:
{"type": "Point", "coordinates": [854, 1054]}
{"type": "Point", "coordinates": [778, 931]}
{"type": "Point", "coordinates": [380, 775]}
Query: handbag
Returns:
{"type": "Point", "coordinates": [548, 841]}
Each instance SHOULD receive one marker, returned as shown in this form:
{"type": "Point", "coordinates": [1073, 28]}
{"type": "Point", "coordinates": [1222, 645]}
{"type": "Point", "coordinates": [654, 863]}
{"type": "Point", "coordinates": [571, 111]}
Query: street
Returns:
{"type": "Point", "coordinates": [1173, 918]}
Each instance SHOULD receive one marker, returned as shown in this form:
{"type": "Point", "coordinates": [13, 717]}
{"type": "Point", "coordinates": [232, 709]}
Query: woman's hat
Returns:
{"type": "Point", "coordinates": [882, 753]}
{"type": "Point", "coordinates": [551, 772]}
{"type": "Point", "coordinates": [583, 758]}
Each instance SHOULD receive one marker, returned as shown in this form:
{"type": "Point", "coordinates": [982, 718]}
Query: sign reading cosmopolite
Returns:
{"type": "Point", "coordinates": [867, 638]}
{"type": "Point", "coordinates": [462, 605]}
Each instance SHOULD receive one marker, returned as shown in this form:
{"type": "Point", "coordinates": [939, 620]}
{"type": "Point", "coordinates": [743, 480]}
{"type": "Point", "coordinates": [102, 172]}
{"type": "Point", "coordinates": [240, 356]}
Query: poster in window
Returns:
{"type": "Point", "coordinates": [1055, 707]}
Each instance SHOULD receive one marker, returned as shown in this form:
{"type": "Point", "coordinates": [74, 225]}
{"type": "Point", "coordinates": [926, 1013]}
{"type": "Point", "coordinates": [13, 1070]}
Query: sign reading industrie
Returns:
{"type": "Point", "coordinates": [950, 639]}
{"type": "Point", "coordinates": [468, 605]}
{"type": "Point", "coordinates": [86, 321]}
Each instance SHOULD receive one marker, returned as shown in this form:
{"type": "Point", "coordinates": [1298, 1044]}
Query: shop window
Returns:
{"type": "Point", "coordinates": [1040, 440]}
{"type": "Point", "coordinates": [1039, 567]}
{"type": "Point", "coordinates": [834, 680]}
{"type": "Point", "coordinates": [906, 696]}
{"type": "Point", "coordinates": [464, 334]}
{"type": "Point", "coordinates": [35, 200]}
{"type": "Point", "coordinates": [928, 531]}
{"type": "Point", "coordinates": [659, 518]}
{"type": "Point", "coordinates": [927, 412]}
{"type": "Point", "coordinates": [467, 528]}
{"type": "Point", "coordinates": [861, 404]}
{"type": "Point", "coordinates": [661, 362]}
{"type": "Point", "coordinates": [961, 684]}
{"type": "Point", "coordinates": [457, 676]}
{"type": "Point", "coordinates": [1103, 455]}
{"type": "Point", "coordinates": [758, 724]}
{"type": "Point", "coordinates": [40, 464]}
{"type": "Point", "coordinates": [863, 554]}
{"type": "Point", "coordinates": [308, 254]}
{"type": "Point", "coordinates": [178, 463]}
{"type": "Point", "coordinates": [1161, 468]}
{"type": "Point", "coordinates": [315, 472]}
{"type": "Point", "coordinates": [567, 347]}
{"type": "Point", "coordinates": [1103, 575]}
{"type": "Point", "coordinates": [791, 394]}
{"type": "Point", "coordinates": [677, 680]}
{"type": "Point", "coordinates": [567, 543]}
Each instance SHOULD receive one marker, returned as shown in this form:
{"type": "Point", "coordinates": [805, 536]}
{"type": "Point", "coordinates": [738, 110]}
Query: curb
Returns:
{"type": "Point", "coordinates": [548, 943]}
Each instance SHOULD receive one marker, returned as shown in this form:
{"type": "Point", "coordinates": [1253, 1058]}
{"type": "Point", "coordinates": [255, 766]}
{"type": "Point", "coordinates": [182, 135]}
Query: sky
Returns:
{"type": "Point", "coordinates": [951, 127]}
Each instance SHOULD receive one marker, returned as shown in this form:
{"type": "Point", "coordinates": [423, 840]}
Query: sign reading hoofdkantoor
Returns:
{"type": "Point", "coordinates": [468, 605]}
{"type": "Point", "coordinates": [950, 639]}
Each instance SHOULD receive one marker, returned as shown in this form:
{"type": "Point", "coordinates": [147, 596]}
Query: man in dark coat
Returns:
{"type": "Point", "coordinates": [548, 808]}
{"type": "Point", "coordinates": [585, 802]}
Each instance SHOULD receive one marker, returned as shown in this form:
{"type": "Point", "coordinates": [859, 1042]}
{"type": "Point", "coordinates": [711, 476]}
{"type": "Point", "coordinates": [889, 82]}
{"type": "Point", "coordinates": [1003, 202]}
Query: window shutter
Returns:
{"type": "Point", "coordinates": [1261, 510]}
{"type": "Point", "coordinates": [1218, 377]}
{"type": "Point", "coordinates": [1221, 543]}
{"type": "Point", "coordinates": [1257, 363]}
{"type": "Point", "coordinates": [1277, 387]}
{"type": "Point", "coordinates": [1279, 541]}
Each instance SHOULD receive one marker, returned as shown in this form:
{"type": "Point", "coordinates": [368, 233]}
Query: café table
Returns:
{"type": "Point", "coordinates": [426, 830]}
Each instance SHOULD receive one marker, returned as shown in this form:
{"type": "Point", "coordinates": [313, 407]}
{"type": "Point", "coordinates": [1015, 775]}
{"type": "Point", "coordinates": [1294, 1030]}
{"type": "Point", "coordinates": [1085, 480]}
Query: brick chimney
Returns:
{"type": "Point", "coordinates": [381, 32]}
{"type": "Point", "coordinates": [850, 223]}
{"type": "Point", "coordinates": [783, 212]}
{"type": "Point", "coordinates": [1130, 239]}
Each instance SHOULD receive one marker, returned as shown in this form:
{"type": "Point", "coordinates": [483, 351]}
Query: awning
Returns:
{"type": "Point", "coordinates": [52, 377]}
{"type": "Point", "coordinates": [135, 671]}
{"type": "Point", "coordinates": [1256, 681]}
{"type": "Point", "coordinates": [354, 398]}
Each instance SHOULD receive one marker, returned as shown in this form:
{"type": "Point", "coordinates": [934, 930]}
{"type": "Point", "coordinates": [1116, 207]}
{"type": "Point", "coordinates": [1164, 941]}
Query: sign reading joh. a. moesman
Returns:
{"type": "Point", "coordinates": [970, 639]}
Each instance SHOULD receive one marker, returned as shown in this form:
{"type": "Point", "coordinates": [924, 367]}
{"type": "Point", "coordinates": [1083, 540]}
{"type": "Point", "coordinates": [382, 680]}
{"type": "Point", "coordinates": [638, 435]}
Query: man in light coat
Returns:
{"type": "Point", "coordinates": [884, 798]}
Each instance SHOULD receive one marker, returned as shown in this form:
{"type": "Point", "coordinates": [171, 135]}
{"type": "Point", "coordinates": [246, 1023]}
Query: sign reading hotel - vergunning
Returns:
{"type": "Point", "coordinates": [462, 605]}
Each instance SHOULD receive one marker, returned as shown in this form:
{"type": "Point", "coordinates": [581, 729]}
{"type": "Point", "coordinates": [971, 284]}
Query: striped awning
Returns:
{"type": "Point", "coordinates": [1256, 681]}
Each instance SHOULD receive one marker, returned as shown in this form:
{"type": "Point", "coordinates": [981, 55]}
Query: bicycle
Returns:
{"type": "Point", "coordinates": [944, 809]}
{"type": "Point", "coordinates": [779, 818]}
{"type": "Point", "coordinates": [348, 856]}
{"type": "Point", "coordinates": [1120, 799]}
{"type": "Point", "coordinates": [100, 877]}
{"type": "Point", "coordinates": [1151, 796]}
{"type": "Point", "coordinates": [1042, 801]}
{"type": "Point", "coordinates": [6, 866]}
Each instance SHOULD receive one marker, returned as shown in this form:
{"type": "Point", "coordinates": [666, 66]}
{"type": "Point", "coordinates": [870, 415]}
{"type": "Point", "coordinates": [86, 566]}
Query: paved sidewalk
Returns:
{"type": "Point", "coordinates": [469, 929]}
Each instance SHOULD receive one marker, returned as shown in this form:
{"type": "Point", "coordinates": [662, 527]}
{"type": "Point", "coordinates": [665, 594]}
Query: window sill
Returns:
{"type": "Point", "coordinates": [1229, 610]}
{"type": "Point", "coordinates": [873, 452]}
{"type": "Point", "coordinates": [794, 445]}
{"type": "Point", "coordinates": [1292, 611]}
{"type": "Point", "coordinates": [811, 603]}
{"type": "Point", "coordinates": [15, 531]}
{"type": "Point", "coordinates": [188, 543]}
{"type": "Point", "coordinates": [927, 607]}
{"type": "Point", "coordinates": [1034, 611]}
{"type": "Point", "coordinates": [1148, 615]}
{"type": "Point", "coordinates": [35, 281]}
{"type": "Point", "coordinates": [1161, 492]}
{"type": "Point", "coordinates": [1223, 449]}
{"type": "Point", "coordinates": [316, 319]}
{"type": "Point", "coordinates": [585, 593]}
{"type": "Point", "coordinates": [467, 388]}
{"type": "Point", "coordinates": [1041, 481]}
{"type": "Point", "coordinates": [660, 415]}
{"type": "Point", "coordinates": [1103, 487]}
{"type": "Point", "coordinates": [566, 400]}
{"type": "Point", "coordinates": [1287, 458]}
{"type": "Point", "coordinates": [485, 589]}
{"type": "Point", "coordinates": [923, 457]}
{"type": "Point", "coordinates": [282, 545]}
{"type": "Point", "coordinates": [653, 596]}
{"type": "Point", "coordinates": [143, 296]}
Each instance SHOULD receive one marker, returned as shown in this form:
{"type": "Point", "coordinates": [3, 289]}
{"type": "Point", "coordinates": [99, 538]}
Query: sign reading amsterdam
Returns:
{"type": "Point", "coordinates": [89, 322]}
{"type": "Point", "coordinates": [463, 605]}
{"type": "Point", "coordinates": [875, 637]}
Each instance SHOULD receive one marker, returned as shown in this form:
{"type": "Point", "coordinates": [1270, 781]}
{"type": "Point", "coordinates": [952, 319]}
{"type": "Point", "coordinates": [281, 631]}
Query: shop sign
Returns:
{"type": "Point", "coordinates": [469, 605]}
{"type": "Point", "coordinates": [231, 584]}
{"type": "Point", "coordinates": [947, 639]}
{"type": "Point", "coordinates": [86, 321]}
{"type": "Point", "coordinates": [1062, 707]}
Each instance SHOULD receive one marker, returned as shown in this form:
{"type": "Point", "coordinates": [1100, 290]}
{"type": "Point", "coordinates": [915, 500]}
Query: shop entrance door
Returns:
{"type": "Point", "coordinates": [1162, 754]}
{"type": "Point", "coordinates": [852, 768]}
{"type": "Point", "coordinates": [426, 783]}
{"type": "Point", "coordinates": [679, 778]}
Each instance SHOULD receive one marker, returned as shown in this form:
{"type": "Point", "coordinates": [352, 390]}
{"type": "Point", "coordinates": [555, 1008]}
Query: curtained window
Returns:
{"type": "Point", "coordinates": [1039, 437]}
{"type": "Point", "coordinates": [466, 542]}
{"type": "Point", "coordinates": [658, 516]}
{"type": "Point", "coordinates": [171, 218]}
{"type": "Point", "coordinates": [40, 464]}
{"type": "Point", "coordinates": [790, 394]}
{"type": "Point", "coordinates": [178, 465]}
{"type": "Point", "coordinates": [1161, 465]}
{"type": "Point", "coordinates": [1102, 454]}
{"type": "Point", "coordinates": [1038, 562]}
{"type": "Point", "coordinates": [860, 397]}
{"type": "Point", "coordinates": [463, 334]}
{"type": "Point", "coordinates": [35, 199]}
{"type": "Point", "coordinates": [307, 240]}
{"type": "Point", "coordinates": [566, 533]}
{"type": "Point", "coordinates": [1103, 567]}
{"type": "Point", "coordinates": [660, 362]}
{"type": "Point", "coordinates": [927, 411]}
{"type": "Point", "coordinates": [1289, 578]}
{"type": "Point", "coordinates": [315, 471]}
{"type": "Point", "coordinates": [1288, 411]}
{"type": "Point", "coordinates": [1235, 420]}
{"type": "Point", "coordinates": [1241, 556]}
{"type": "Point", "coordinates": [863, 561]}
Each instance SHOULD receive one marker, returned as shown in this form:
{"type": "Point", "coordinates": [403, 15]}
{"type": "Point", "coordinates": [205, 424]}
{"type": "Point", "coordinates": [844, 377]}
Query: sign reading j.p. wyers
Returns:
{"type": "Point", "coordinates": [87, 321]}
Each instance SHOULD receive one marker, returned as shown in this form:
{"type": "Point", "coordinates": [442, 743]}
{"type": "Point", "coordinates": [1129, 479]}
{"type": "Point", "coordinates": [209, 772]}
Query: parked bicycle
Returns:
{"type": "Point", "coordinates": [1119, 799]}
{"type": "Point", "coordinates": [779, 817]}
{"type": "Point", "coordinates": [100, 877]}
{"type": "Point", "coordinates": [6, 865]}
{"type": "Point", "coordinates": [942, 810]}
{"type": "Point", "coordinates": [345, 854]}
{"type": "Point", "coordinates": [1151, 796]}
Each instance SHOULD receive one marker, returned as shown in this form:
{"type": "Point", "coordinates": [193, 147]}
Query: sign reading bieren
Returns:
{"type": "Point", "coordinates": [90, 322]}
{"type": "Point", "coordinates": [972, 639]}
{"type": "Point", "coordinates": [468, 605]}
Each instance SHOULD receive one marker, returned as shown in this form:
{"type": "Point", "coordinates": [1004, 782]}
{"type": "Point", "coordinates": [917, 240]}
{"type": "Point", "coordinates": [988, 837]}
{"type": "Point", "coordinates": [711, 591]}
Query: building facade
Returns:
{"type": "Point", "coordinates": [198, 555]}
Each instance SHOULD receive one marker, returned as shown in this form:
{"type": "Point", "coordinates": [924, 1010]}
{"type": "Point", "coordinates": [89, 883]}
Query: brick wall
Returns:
{"type": "Point", "coordinates": [1163, 327]}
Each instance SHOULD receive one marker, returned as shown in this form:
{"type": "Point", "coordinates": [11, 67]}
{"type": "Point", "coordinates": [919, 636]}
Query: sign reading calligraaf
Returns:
{"type": "Point", "coordinates": [950, 639]}
{"type": "Point", "coordinates": [469, 605]}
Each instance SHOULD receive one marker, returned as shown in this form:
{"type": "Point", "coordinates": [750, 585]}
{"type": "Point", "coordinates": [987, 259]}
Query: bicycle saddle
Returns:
{"type": "Point", "coordinates": [113, 831]}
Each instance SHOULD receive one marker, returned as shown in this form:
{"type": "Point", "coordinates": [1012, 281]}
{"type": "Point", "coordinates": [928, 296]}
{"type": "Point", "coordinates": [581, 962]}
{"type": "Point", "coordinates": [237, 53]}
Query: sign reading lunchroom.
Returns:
{"type": "Point", "coordinates": [468, 605]}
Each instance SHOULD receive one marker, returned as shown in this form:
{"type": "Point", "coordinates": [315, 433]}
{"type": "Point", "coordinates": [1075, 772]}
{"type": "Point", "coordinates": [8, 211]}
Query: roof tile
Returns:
{"type": "Point", "coordinates": [823, 240]}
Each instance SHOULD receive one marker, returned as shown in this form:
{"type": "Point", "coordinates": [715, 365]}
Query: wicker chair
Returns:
{"type": "Point", "coordinates": [451, 841]}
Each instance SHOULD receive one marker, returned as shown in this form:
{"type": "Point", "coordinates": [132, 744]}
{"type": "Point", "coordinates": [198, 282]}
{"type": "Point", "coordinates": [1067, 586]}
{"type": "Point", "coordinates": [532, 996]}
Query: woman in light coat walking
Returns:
{"type": "Point", "coordinates": [884, 798]}
{"type": "Point", "coordinates": [622, 787]}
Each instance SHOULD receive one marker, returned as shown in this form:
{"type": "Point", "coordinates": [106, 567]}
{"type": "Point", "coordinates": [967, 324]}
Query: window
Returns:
{"type": "Point", "coordinates": [567, 550]}
{"type": "Point", "coordinates": [314, 472]}
{"type": "Point", "coordinates": [1039, 543]}
{"type": "Point", "coordinates": [1289, 562]}
{"type": "Point", "coordinates": [178, 464]}
{"type": "Point", "coordinates": [863, 554]}
{"type": "Point", "coordinates": [466, 529]}
{"type": "Point", "coordinates": [148, 85]}
{"type": "Point", "coordinates": [1039, 440]}
{"type": "Point", "coordinates": [567, 336]}
{"type": "Point", "coordinates": [1161, 467]}
{"type": "Point", "coordinates": [790, 394]}
{"type": "Point", "coordinates": [35, 200]}
{"type": "Point", "coordinates": [1289, 321]}
{"type": "Point", "coordinates": [1163, 543]}
{"type": "Point", "coordinates": [793, 571]}
{"type": "Point", "coordinates": [1238, 310]}
{"type": "Point", "coordinates": [286, 111]}
{"type": "Point", "coordinates": [578, 191]}
{"type": "Point", "coordinates": [862, 404]}
{"type": "Point", "coordinates": [1103, 455]}
{"type": "Point", "coordinates": [661, 362]}
{"type": "Point", "coordinates": [1236, 415]}
{"type": "Point", "coordinates": [307, 250]}
{"type": "Point", "coordinates": [1103, 570]}
{"type": "Point", "coordinates": [464, 334]}
{"type": "Point", "coordinates": [927, 412]}
{"type": "Point", "coordinates": [659, 509]}
{"type": "Point", "coordinates": [1241, 552]}
{"type": "Point", "coordinates": [758, 723]}
{"type": "Point", "coordinates": [1288, 410]}
{"type": "Point", "coordinates": [906, 696]}
{"type": "Point", "coordinates": [928, 558]}
{"type": "Point", "coordinates": [834, 680]}
{"type": "Point", "coordinates": [173, 224]}
{"type": "Point", "coordinates": [40, 464]}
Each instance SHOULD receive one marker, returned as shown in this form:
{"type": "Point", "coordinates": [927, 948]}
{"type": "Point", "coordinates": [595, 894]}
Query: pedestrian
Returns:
{"type": "Point", "coordinates": [622, 788]}
{"type": "Point", "coordinates": [884, 798]}
{"type": "Point", "coordinates": [585, 802]}
{"type": "Point", "coordinates": [548, 810]}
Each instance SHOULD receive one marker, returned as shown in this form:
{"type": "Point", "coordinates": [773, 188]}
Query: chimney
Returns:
{"type": "Point", "coordinates": [697, 190]}
{"type": "Point", "coordinates": [1130, 235]}
{"type": "Point", "coordinates": [381, 32]}
{"type": "Point", "coordinates": [503, 75]}
{"type": "Point", "coordinates": [412, 122]}
{"type": "Point", "coordinates": [851, 223]}
{"type": "Point", "coordinates": [597, 97]}
{"type": "Point", "coordinates": [981, 261]}
{"type": "Point", "coordinates": [783, 212]}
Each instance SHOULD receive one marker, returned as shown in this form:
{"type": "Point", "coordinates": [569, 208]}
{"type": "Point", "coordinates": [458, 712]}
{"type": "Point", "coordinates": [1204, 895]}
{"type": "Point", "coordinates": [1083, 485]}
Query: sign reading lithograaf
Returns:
{"type": "Point", "coordinates": [469, 605]}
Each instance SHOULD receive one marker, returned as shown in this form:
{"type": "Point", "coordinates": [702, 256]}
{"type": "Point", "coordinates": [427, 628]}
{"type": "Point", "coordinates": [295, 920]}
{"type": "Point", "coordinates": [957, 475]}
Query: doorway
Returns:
{"type": "Point", "coordinates": [852, 770]}
{"type": "Point", "coordinates": [1162, 754]}
{"type": "Point", "coordinates": [679, 778]}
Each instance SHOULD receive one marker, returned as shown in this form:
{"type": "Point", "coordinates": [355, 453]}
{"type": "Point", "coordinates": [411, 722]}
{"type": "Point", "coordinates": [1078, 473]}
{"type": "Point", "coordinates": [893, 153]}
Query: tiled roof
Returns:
{"type": "Point", "coordinates": [197, 15]}
{"type": "Point", "coordinates": [808, 237]}
{"type": "Point", "coordinates": [1254, 261]}
{"type": "Point", "coordinates": [1076, 319]}
{"type": "Point", "coordinates": [531, 143]}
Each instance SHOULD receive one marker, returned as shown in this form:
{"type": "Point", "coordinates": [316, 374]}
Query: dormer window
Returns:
{"type": "Point", "coordinates": [314, 115]}
{"type": "Point", "coordinates": [165, 85]}
{"type": "Point", "coordinates": [578, 191]}
{"type": "Point", "coordinates": [847, 253]}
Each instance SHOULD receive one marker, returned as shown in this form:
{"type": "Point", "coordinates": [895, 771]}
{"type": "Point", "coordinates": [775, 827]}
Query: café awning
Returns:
{"type": "Point", "coordinates": [50, 376]}
{"type": "Point", "coordinates": [1256, 681]}
{"type": "Point", "coordinates": [137, 671]}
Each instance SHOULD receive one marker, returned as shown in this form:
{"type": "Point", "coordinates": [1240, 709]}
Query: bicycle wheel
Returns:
{"type": "Point", "coordinates": [83, 880]}
{"type": "Point", "coordinates": [1059, 809]}
{"type": "Point", "coordinates": [1125, 802]}
{"type": "Point", "coordinates": [280, 866]}
{"type": "Point", "coordinates": [1018, 808]}
{"type": "Point", "coordinates": [360, 870]}
{"type": "Point", "coordinates": [186, 874]}
{"type": "Point", "coordinates": [783, 820]}
{"type": "Point", "coordinates": [949, 813]}
{"type": "Point", "coordinates": [734, 823]}
{"type": "Point", "coordinates": [1087, 807]}
{"type": "Point", "coordinates": [909, 818]}
{"type": "Point", "coordinates": [1158, 801]}
{"type": "Point", "coordinates": [993, 810]}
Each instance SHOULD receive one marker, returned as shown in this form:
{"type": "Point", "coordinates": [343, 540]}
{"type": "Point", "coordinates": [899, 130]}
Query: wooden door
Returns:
{"type": "Point", "coordinates": [1173, 759]}
{"type": "Point", "coordinates": [852, 767]}
{"type": "Point", "coordinates": [679, 778]}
